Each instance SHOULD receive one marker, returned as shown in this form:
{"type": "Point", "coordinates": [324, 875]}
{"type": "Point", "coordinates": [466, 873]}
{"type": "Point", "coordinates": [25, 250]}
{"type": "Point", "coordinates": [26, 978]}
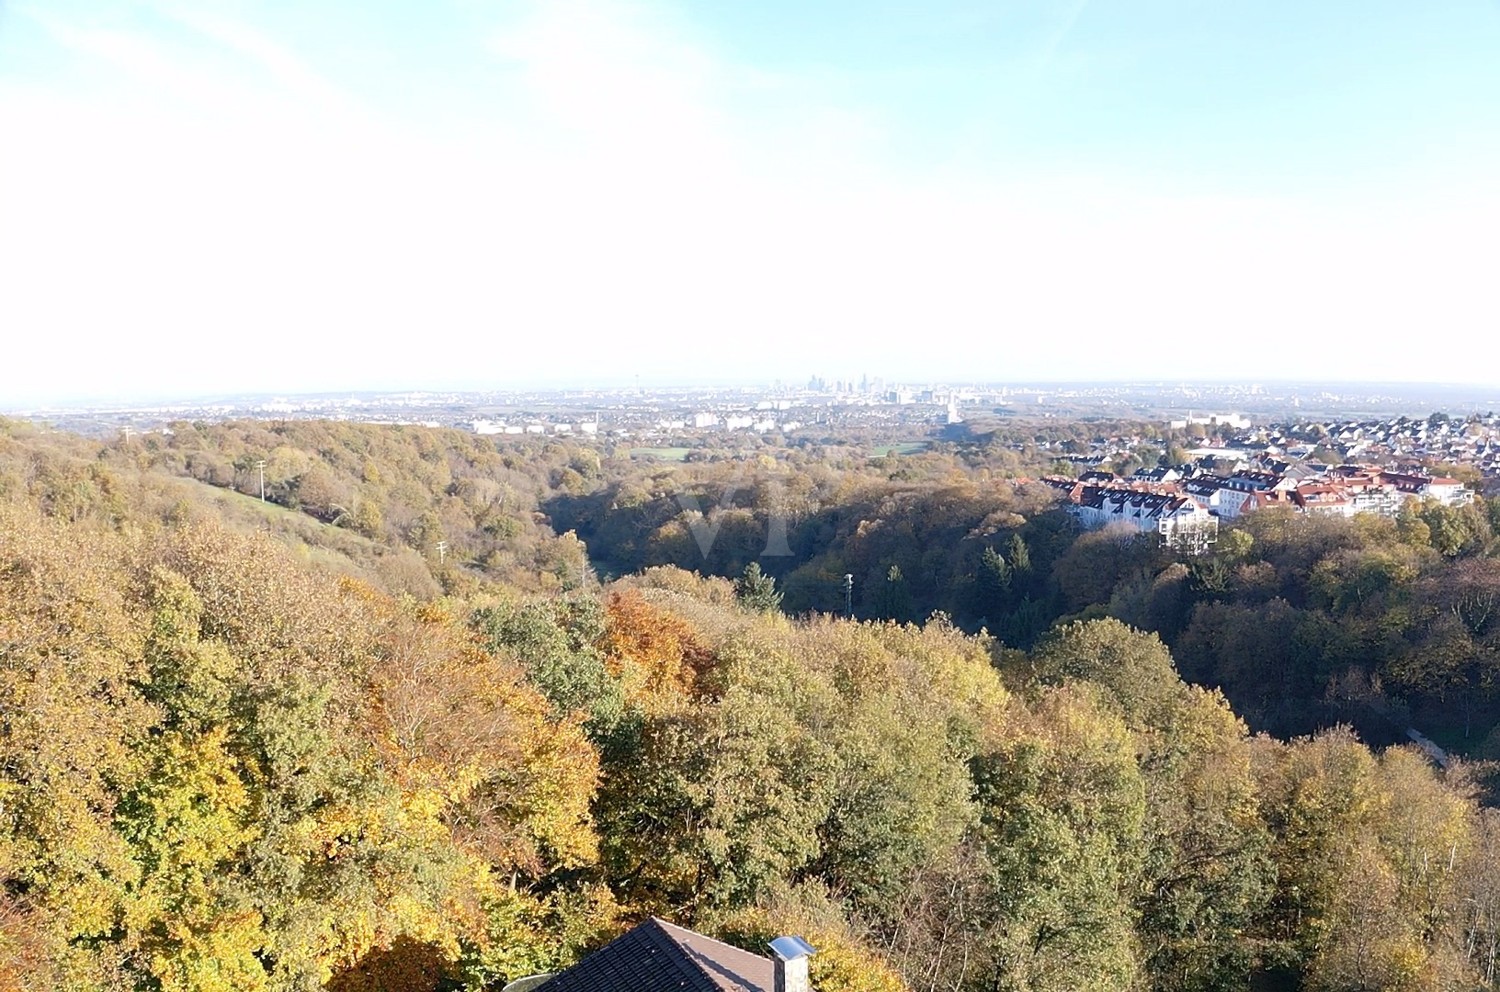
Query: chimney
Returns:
{"type": "Point", "coordinates": [790, 956]}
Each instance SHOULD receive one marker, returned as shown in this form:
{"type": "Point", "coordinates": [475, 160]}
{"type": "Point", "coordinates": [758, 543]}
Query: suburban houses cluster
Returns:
{"type": "Point", "coordinates": [1185, 505]}
{"type": "Point", "coordinates": [1393, 442]}
{"type": "Point", "coordinates": [1473, 441]}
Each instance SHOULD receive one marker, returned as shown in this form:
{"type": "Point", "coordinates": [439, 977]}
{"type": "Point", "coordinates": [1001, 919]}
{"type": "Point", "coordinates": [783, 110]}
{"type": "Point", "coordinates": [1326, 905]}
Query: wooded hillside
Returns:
{"type": "Point", "coordinates": [249, 747]}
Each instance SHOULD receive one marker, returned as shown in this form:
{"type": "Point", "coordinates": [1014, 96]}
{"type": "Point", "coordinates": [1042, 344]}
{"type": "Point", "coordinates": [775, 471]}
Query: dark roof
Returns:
{"type": "Point", "coordinates": [1259, 480]}
{"type": "Point", "coordinates": [1146, 504]}
{"type": "Point", "coordinates": [1203, 485]}
{"type": "Point", "coordinates": [659, 957]}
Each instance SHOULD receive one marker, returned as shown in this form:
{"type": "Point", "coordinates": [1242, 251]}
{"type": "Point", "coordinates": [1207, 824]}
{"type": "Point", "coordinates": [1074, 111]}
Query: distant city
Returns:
{"type": "Point", "coordinates": [820, 404]}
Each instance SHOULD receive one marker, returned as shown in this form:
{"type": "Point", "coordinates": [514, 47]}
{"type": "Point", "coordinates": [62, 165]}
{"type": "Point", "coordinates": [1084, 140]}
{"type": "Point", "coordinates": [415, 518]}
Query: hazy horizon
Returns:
{"type": "Point", "coordinates": [220, 198]}
{"type": "Point", "coordinates": [1461, 392]}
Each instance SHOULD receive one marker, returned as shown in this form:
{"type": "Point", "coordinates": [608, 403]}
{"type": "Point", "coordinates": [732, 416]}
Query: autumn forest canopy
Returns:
{"type": "Point", "coordinates": [442, 712]}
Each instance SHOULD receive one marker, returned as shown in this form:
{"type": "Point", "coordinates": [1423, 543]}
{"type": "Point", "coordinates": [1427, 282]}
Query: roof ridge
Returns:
{"type": "Point", "coordinates": [693, 954]}
{"type": "Point", "coordinates": [695, 933]}
{"type": "Point", "coordinates": [682, 953]}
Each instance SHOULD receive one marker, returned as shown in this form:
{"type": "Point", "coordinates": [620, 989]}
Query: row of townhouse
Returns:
{"type": "Point", "coordinates": [1145, 508]}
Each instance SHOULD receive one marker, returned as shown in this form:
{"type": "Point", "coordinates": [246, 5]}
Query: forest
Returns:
{"type": "Point", "coordinates": [441, 712]}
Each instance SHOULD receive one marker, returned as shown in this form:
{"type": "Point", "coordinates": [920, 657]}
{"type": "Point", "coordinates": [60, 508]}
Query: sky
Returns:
{"type": "Point", "coordinates": [207, 196]}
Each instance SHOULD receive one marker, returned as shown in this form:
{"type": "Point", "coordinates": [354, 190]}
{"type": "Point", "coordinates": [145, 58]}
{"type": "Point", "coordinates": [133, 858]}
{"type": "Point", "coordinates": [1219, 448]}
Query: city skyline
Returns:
{"type": "Point", "coordinates": [908, 401]}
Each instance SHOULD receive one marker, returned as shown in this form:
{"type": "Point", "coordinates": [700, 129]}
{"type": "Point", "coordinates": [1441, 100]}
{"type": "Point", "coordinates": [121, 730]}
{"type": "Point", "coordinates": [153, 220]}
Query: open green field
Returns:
{"type": "Point", "coordinates": [904, 448]}
{"type": "Point", "coordinates": [661, 454]}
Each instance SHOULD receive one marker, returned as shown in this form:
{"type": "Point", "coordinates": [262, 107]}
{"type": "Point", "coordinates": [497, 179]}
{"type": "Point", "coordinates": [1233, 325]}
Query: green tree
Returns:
{"type": "Point", "coordinates": [1455, 530]}
{"type": "Point", "coordinates": [1207, 874]}
{"type": "Point", "coordinates": [1019, 555]}
{"type": "Point", "coordinates": [558, 643]}
{"type": "Point", "coordinates": [991, 585]}
{"type": "Point", "coordinates": [1062, 811]}
{"type": "Point", "coordinates": [757, 590]}
{"type": "Point", "coordinates": [1235, 544]}
{"type": "Point", "coordinates": [1134, 667]}
{"type": "Point", "coordinates": [708, 805]}
{"type": "Point", "coordinates": [894, 597]}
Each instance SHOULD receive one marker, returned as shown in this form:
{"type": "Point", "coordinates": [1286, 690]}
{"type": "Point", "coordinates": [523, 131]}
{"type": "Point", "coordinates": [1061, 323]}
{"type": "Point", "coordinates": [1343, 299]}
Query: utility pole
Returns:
{"type": "Point", "coordinates": [127, 430]}
{"type": "Point", "coordinates": [442, 550]}
{"type": "Point", "coordinates": [849, 596]}
{"type": "Point", "coordinates": [261, 465]}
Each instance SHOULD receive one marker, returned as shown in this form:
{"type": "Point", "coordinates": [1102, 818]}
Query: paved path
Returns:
{"type": "Point", "coordinates": [1434, 752]}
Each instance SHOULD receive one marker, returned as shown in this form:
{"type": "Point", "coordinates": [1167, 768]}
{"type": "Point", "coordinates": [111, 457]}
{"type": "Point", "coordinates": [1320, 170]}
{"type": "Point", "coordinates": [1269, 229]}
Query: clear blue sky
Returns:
{"type": "Point", "coordinates": [209, 196]}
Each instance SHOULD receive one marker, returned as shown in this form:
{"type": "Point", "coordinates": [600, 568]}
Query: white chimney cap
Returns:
{"type": "Point", "coordinates": [791, 948]}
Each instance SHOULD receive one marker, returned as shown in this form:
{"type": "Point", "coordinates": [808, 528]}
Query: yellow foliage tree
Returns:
{"type": "Point", "coordinates": [655, 653]}
{"type": "Point", "coordinates": [187, 923]}
{"type": "Point", "coordinates": [842, 962]}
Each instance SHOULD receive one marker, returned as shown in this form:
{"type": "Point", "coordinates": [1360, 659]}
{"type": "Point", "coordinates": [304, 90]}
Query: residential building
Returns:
{"type": "Point", "coordinates": [1177, 518]}
{"type": "Point", "coordinates": [658, 956]}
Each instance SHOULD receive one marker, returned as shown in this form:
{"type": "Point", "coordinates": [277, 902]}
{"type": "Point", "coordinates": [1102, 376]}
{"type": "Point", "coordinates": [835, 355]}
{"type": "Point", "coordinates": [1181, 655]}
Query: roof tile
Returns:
{"type": "Point", "coordinates": [658, 956]}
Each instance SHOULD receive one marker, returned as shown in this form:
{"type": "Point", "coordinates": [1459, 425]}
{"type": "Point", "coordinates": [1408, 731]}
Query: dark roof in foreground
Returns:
{"type": "Point", "coordinates": [660, 957]}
